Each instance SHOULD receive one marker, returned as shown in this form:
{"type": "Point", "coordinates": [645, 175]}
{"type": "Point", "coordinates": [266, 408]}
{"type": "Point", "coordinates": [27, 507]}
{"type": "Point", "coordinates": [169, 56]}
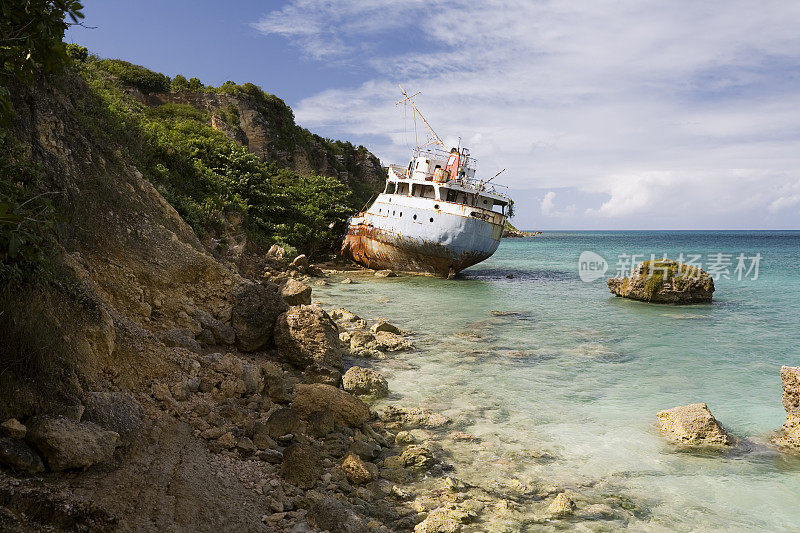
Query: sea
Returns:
{"type": "Point", "coordinates": [560, 381]}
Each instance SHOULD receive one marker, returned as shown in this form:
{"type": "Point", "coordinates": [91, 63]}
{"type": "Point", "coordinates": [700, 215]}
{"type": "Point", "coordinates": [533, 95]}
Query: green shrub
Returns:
{"type": "Point", "coordinates": [77, 52]}
{"type": "Point", "coordinates": [142, 78]}
{"type": "Point", "coordinates": [179, 84]}
{"type": "Point", "coordinates": [195, 85]}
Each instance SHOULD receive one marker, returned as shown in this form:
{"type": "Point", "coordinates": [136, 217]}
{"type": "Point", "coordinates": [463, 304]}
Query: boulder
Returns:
{"type": "Point", "coordinates": [362, 340]}
{"type": "Point", "coordinates": [326, 513]}
{"type": "Point", "coordinates": [295, 292]}
{"type": "Point", "coordinates": [347, 281]}
{"type": "Point", "coordinates": [412, 418]}
{"type": "Point", "coordinates": [320, 423]}
{"type": "Point", "coordinates": [391, 342]}
{"type": "Point", "coordinates": [67, 443]}
{"type": "Point", "coordinates": [181, 338]}
{"type": "Point", "coordinates": [385, 274]}
{"type": "Point", "coordinates": [13, 429]}
{"type": "Point", "coordinates": [302, 465]}
{"type": "Point", "coordinates": [561, 506]}
{"type": "Point", "coordinates": [365, 382]}
{"type": "Point", "coordinates": [322, 374]}
{"type": "Point", "coordinates": [255, 310]}
{"type": "Point", "coordinates": [282, 422]}
{"type": "Point", "coordinates": [341, 314]}
{"type": "Point", "coordinates": [120, 412]}
{"type": "Point", "coordinates": [276, 252]}
{"type": "Point", "coordinates": [790, 436]}
{"type": "Point", "coordinates": [419, 456]}
{"type": "Point", "coordinates": [17, 456]}
{"type": "Point", "coordinates": [346, 409]}
{"type": "Point", "coordinates": [692, 424]}
{"type": "Point", "coordinates": [664, 281]}
{"type": "Point", "coordinates": [383, 325]}
{"type": "Point", "coordinates": [305, 335]}
{"type": "Point", "coordinates": [357, 471]}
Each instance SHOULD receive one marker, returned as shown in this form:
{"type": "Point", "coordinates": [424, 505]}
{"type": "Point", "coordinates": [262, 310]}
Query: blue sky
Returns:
{"type": "Point", "coordinates": [607, 114]}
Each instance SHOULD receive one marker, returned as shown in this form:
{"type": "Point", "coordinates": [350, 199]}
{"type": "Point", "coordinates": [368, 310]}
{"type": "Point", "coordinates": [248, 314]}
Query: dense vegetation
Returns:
{"type": "Point", "coordinates": [205, 175]}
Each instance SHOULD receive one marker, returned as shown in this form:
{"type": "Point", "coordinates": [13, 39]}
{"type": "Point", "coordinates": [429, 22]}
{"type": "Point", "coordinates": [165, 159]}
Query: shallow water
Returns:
{"type": "Point", "coordinates": [562, 381]}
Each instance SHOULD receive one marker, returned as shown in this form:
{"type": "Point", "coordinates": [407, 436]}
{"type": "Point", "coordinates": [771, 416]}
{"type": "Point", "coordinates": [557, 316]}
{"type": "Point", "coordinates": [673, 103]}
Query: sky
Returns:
{"type": "Point", "coordinates": [605, 114]}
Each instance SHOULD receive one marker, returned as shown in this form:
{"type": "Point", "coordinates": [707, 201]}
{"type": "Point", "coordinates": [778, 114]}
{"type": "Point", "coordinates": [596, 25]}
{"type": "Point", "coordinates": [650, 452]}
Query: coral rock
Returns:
{"type": "Point", "coordinates": [692, 424]}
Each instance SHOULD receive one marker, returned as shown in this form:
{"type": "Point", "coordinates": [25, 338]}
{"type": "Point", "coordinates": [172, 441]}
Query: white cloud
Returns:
{"type": "Point", "coordinates": [660, 107]}
{"type": "Point", "coordinates": [547, 203]}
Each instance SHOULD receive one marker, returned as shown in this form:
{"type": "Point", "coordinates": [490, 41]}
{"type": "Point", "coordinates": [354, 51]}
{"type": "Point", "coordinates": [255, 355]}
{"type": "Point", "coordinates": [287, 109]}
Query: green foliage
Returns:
{"type": "Point", "coordinates": [27, 218]}
{"type": "Point", "coordinates": [195, 85]}
{"type": "Point", "coordinates": [179, 83]}
{"type": "Point", "coordinates": [77, 52]}
{"type": "Point", "coordinates": [205, 175]}
{"type": "Point", "coordinates": [142, 78]}
{"type": "Point", "coordinates": [31, 32]}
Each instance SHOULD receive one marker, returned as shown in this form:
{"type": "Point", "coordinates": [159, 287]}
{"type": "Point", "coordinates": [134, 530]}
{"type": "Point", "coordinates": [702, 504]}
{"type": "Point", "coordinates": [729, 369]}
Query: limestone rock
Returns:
{"type": "Point", "coordinates": [255, 311]}
{"type": "Point", "coordinates": [295, 292]}
{"type": "Point", "coordinates": [322, 374]}
{"type": "Point", "coordinates": [302, 465]}
{"type": "Point", "coordinates": [383, 325]}
{"type": "Point", "coordinates": [664, 281]}
{"type": "Point", "coordinates": [391, 342]}
{"type": "Point", "coordinates": [365, 382]}
{"type": "Point", "coordinates": [418, 456]}
{"type": "Point", "coordinates": [385, 274]}
{"type": "Point", "coordinates": [561, 506]}
{"type": "Point", "coordinates": [305, 335]}
{"type": "Point", "coordinates": [16, 455]}
{"type": "Point", "coordinates": [120, 412]}
{"type": "Point", "coordinates": [181, 338]}
{"type": "Point", "coordinates": [790, 436]}
{"type": "Point", "coordinates": [441, 520]}
{"type": "Point", "coordinates": [692, 424]}
{"type": "Point", "coordinates": [300, 262]}
{"type": "Point", "coordinates": [66, 443]}
{"type": "Point", "coordinates": [222, 333]}
{"type": "Point", "coordinates": [343, 315]}
{"type": "Point", "coordinates": [346, 409]}
{"type": "Point", "coordinates": [13, 429]}
{"type": "Point", "coordinates": [357, 471]}
{"type": "Point", "coordinates": [411, 418]}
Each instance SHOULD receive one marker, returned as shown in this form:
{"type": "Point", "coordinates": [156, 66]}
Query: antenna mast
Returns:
{"type": "Point", "coordinates": [408, 99]}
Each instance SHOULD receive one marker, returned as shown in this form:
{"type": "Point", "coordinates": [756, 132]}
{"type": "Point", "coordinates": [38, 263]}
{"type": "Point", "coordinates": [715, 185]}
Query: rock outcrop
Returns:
{"type": "Point", "coordinates": [346, 409]}
{"type": "Point", "coordinates": [692, 424]}
{"type": "Point", "coordinates": [255, 310]}
{"type": "Point", "coordinates": [295, 292]}
{"type": "Point", "coordinates": [664, 281]}
{"type": "Point", "coordinates": [790, 434]}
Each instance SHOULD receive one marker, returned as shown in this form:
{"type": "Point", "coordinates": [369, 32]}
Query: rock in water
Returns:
{"type": "Point", "coordinates": [305, 335]}
{"type": "Point", "coordinates": [295, 292]}
{"type": "Point", "coordinates": [664, 281]}
{"type": "Point", "coordinates": [18, 456]}
{"type": "Point", "coordinates": [68, 443]}
{"type": "Point", "coordinates": [346, 409]}
{"type": "Point", "coordinates": [790, 436]}
{"type": "Point", "coordinates": [441, 520]}
{"type": "Point", "coordinates": [255, 311]}
{"type": "Point", "coordinates": [365, 382]}
{"type": "Point", "coordinates": [302, 465]}
{"type": "Point", "coordinates": [562, 505]}
{"type": "Point", "coordinates": [692, 424]}
{"type": "Point", "coordinates": [383, 325]}
{"type": "Point", "coordinates": [385, 274]}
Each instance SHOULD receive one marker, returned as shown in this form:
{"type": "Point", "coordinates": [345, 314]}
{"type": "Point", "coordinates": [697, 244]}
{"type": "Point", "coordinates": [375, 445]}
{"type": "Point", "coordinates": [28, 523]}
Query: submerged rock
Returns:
{"type": "Point", "coordinates": [383, 325]}
{"type": "Point", "coordinates": [442, 520]}
{"type": "Point", "coordinates": [664, 281]}
{"type": "Point", "coordinates": [305, 335]}
{"type": "Point", "coordinates": [692, 424]}
{"type": "Point", "coordinates": [400, 417]}
{"type": "Point", "coordinates": [391, 342]}
{"type": "Point", "coordinates": [385, 274]}
{"type": "Point", "coordinates": [66, 443]}
{"type": "Point", "coordinates": [790, 435]}
{"type": "Point", "coordinates": [365, 382]}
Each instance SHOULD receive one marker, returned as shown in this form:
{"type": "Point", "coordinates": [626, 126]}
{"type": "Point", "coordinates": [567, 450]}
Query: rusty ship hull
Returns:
{"type": "Point", "coordinates": [423, 236]}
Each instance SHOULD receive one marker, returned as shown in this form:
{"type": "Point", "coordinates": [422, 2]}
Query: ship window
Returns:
{"type": "Point", "coordinates": [415, 217]}
{"type": "Point", "coordinates": [393, 212]}
{"type": "Point", "coordinates": [391, 187]}
{"type": "Point", "coordinates": [436, 206]}
{"type": "Point", "coordinates": [431, 219]}
{"type": "Point", "coordinates": [401, 213]}
{"type": "Point", "coordinates": [485, 202]}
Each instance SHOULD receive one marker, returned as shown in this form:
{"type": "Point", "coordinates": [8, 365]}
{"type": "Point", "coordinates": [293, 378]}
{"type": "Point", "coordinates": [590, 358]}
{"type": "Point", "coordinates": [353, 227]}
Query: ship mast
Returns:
{"type": "Point", "coordinates": [408, 99]}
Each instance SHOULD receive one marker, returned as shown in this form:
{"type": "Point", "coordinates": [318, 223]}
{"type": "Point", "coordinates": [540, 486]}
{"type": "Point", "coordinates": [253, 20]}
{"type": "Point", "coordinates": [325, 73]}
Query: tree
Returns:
{"type": "Point", "coordinates": [195, 85]}
{"type": "Point", "coordinates": [179, 83]}
{"type": "Point", "coordinates": [31, 34]}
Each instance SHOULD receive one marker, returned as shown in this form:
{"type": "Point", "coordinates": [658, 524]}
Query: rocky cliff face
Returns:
{"type": "Point", "coordinates": [268, 129]}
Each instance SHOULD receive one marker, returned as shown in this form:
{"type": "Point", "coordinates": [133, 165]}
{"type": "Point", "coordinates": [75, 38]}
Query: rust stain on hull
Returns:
{"type": "Point", "coordinates": [378, 249]}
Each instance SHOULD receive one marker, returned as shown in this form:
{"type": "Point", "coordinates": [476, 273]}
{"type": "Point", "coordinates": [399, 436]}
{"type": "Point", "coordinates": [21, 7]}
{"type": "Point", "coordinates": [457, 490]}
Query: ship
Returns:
{"type": "Point", "coordinates": [434, 216]}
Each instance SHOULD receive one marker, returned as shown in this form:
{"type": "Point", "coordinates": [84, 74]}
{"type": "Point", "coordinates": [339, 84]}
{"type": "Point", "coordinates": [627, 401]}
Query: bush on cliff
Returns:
{"type": "Point", "coordinates": [142, 78]}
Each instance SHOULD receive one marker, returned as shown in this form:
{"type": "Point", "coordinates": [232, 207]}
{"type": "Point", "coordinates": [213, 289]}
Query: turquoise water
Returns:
{"type": "Point", "coordinates": [562, 382]}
